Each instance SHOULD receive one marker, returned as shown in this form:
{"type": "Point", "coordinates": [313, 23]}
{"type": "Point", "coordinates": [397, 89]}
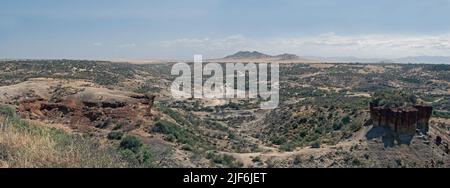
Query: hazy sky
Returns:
{"type": "Point", "coordinates": [174, 29]}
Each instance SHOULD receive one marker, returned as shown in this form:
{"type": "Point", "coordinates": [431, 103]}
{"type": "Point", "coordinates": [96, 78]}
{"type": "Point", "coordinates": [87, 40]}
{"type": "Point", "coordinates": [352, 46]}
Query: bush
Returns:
{"type": "Point", "coordinates": [117, 127]}
{"type": "Point", "coordinates": [297, 160]}
{"type": "Point", "coordinates": [346, 120]}
{"type": "Point", "coordinates": [187, 147]}
{"type": "Point", "coordinates": [287, 147]}
{"type": "Point", "coordinates": [115, 135]}
{"type": "Point", "coordinates": [278, 140]}
{"type": "Point", "coordinates": [7, 111]}
{"type": "Point", "coordinates": [441, 114]}
{"type": "Point", "coordinates": [210, 155]}
{"type": "Point", "coordinates": [355, 126]}
{"type": "Point", "coordinates": [356, 162]}
{"type": "Point", "coordinates": [231, 136]}
{"type": "Point", "coordinates": [136, 153]}
{"type": "Point", "coordinates": [337, 126]}
{"type": "Point", "coordinates": [217, 125]}
{"type": "Point", "coordinates": [226, 160]}
{"type": "Point", "coordinates": [142, 158]}
{"type": "Point", "coordinates": [178, 117]}
{"type": "Point", "coordinates": [257, 159]}
{"type": "Point", "coordinates": [132, 143]}
{"type": "Point", "coordinates": [315, 144]}
{"type": "Point", "coordinates": [303, 134]}
{"type": "Point", "coordinates": [170, 138]}
{"type": "Point", "coordinates": [173, 132]}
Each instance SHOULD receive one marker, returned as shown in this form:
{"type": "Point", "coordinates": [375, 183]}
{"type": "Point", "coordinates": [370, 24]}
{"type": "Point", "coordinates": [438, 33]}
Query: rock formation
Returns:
{"type": "Point", "coordinates": [424, 116]}
{"type": "Point", "coordinates": [402, 120]}
{"type": "Point", "coordinates": [77, 111]}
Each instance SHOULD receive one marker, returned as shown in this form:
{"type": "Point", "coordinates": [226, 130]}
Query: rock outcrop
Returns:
{"type": "Point", "coordinates": [402, 120]}
{"type": "Point", "coordinates": [78, 111]}
{"type": "Point", "coordinates": [79, 104]}
{"type": "Point", "coordinates": [424, 116]}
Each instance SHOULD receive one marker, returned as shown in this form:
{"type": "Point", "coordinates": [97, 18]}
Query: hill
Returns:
{"type": "Point", "coordinates": [248, 55]}
{"type": "Point", "coordinates": [258, 56]}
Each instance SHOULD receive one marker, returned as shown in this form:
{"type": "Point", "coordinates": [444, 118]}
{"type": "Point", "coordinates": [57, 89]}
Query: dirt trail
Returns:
{"type": "Point", "coordinates": [246, 158]}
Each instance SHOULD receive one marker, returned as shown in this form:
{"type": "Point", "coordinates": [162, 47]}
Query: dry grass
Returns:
{"type": "Point", "coordinates": [26, 145]}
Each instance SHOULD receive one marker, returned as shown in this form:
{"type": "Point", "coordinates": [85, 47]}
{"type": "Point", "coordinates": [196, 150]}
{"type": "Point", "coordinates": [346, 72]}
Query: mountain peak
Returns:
{"type": "Point", "coordinates": [258, 56]}
{"type": "Point", "coordinates": [248, 55]}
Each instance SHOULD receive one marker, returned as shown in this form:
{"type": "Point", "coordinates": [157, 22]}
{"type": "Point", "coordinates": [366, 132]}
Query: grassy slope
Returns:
{"type": "Point", "coordinates": [25, 145]}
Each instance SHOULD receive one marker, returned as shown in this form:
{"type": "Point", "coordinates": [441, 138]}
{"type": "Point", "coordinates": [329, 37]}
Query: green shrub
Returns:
{"type": "Point", "coordinates": [441, 114]}
{"type": "Point", "coordinates": [315, 144]}
{"type": "Point", "coordinates": [257, 159]}
{"type": "Point", "coordinates": [178, 117]}
{"type": "Point", "coordinates": [187, 147]}
{"type": "Point", "coordinates": [297, 160]}
{"type": "Point", "coordinates": [394, 98]}
{"type": "Point", "coordinates": [143, 157]}
{"type": "Point", "coordinates": [217, 125]}
{"type": "Point", "coordinates": [170, 138]}
{"type": "Point", "coordinates": [147, 89]}
{"type": "Point", "coordinates": [356, 162]}
{"type": "Point", "coordinates": [132, 143]}
{"type": "Point", "coordinates": [346, 120]}
{"type": "Point", "coordinates": [7, 111]}
{"type": "Point", "coordinates": [117, 127]}
{"type": "Point", "coordinates": [226, 160]}
{"type": "Point", "coordinates": [173, 132]}
{"type": "Point", "coordinates": [279, 140]}
{"type": "Point", "coordinates": [210, 155]}
{"type": "Point", "coordinates": [115, 135]}
{"type": "Point", "coordinates": [355, 126]}
{"type": "Point", "coordinates": [303, 134]}
{"type": "Point", "coordinates": [337, 126]}
{"type": "Point", "coordinates": [231, 136]}
{"type": "Point", "coordinates": [287, 147]}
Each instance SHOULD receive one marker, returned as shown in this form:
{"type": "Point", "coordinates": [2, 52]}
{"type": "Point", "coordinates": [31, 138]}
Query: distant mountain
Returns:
{"type": "Point", "coordinates": [412, 59]}
{"type": "Point", "coordinates": [248, 55]}
{"type": "Point", "coordinates": [425, 59]}
{"type": "Point", "coordinates": [255, 55]}
{"type": "Point", "coordinates": [351, 59]}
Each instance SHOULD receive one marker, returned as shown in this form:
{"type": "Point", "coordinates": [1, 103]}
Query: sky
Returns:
{"type": "Point", "coordinates": [178, 29]}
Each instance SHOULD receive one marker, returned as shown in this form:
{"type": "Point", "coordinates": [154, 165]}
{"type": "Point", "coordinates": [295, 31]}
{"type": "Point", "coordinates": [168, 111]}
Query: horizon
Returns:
{"type": "Point", "coordinates": [176, 30]}
{"type": "Point", "coordinates": [311, 59]}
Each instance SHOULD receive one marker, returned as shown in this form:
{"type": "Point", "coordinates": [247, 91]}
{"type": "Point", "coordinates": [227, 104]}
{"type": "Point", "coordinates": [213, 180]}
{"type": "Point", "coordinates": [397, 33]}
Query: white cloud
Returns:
{"type": "Point", "coordinates": [329, 44]}
{"type": "Point", "coordinates": [235, 41]}
{"type": "Point", "coordinates": [366, 45]}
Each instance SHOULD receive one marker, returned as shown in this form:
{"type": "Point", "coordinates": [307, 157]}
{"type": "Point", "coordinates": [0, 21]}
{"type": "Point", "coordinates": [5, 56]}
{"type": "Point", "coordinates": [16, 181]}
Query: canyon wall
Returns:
{"type": "Point", "coordinates": [406, 120]}
{"type": "Point", "coordinates": [78, 111]}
